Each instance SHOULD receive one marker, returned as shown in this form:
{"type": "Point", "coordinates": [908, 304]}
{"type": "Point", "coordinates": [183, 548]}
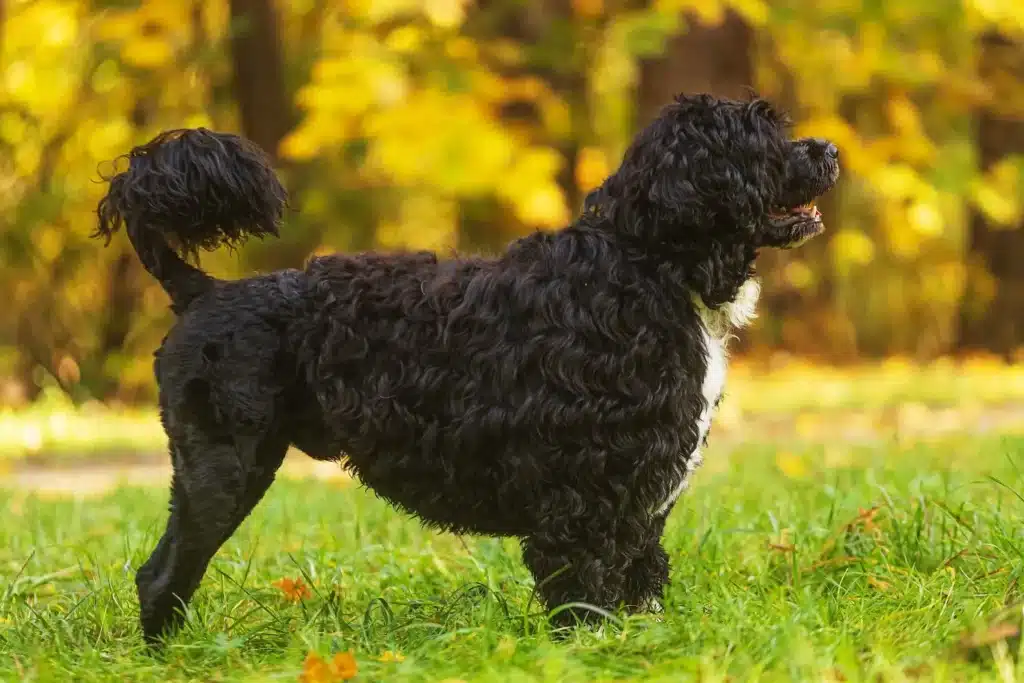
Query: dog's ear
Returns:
{"type": "Point", "coordinates": [759, 108]}
{"type": "Point", "coordinates": [671, 192]}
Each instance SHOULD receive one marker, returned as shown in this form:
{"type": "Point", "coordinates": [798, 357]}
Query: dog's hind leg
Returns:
{"type": "Point", "coordinates": [217, 482]}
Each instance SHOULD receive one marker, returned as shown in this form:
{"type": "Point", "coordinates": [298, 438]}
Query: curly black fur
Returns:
{"type": "Point", "coordinates": [198, 190]}
{"type": "Point", "coordinates": [558, 393]}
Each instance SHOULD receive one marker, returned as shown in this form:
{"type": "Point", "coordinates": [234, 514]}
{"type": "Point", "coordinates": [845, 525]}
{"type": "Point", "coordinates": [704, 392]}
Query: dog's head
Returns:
{"type": "Point", "coordinates": [722, 169]}
{"type": "Point", "coordinates": [713, 180]}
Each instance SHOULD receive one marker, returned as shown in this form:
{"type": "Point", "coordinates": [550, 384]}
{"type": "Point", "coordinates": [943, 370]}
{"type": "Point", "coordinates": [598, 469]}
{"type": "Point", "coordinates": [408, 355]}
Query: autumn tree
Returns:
{"type": "Point", "coordinates": [443, 124]}
{"type": "Point", "coordinates": [714, 58]}
{"type": "Point", "coordinates": [992, 313]}
{"type": "Point", "coordinates": [258, 73]}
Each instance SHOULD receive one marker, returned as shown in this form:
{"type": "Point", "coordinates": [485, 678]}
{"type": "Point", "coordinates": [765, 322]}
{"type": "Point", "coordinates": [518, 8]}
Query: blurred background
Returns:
{"type": "Point", "coordinates": [461, 124]}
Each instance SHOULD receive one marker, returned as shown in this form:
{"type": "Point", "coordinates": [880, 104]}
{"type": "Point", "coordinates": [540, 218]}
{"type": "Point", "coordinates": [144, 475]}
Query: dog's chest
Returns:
{"type": "Point", "coordinates": [715, 329]}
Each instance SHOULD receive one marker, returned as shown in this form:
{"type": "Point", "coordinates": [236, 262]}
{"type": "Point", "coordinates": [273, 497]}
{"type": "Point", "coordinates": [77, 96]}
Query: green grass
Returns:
{"type": "Point", "coordinates": [775, 577]}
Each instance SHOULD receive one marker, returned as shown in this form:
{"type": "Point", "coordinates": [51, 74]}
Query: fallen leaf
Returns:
{"type": "Point", "coordinates": [991, 635]}
{"type": "Point", "coordinates": [342, 667]}
{"type": "Point", "coordinates": [293, 590]}
{"type": "Point", "coordinates": [782, 548]}
{"type": "Point", "coordinates": [878, 584]}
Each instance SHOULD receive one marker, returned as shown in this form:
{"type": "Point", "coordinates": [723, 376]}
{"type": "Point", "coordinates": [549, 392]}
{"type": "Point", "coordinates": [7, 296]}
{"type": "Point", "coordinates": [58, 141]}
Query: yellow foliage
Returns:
{"type": "Point", "coordinates": [543, 205]}
{"type": "Point", "coordinates": [756, 12]}
{"type": "Point", "coordinates": [707, 12]}
{"type": "Point", "coordinates": [148, 52]}
{"type": "Point", "coordinates": [1007, 15]}
{"type": "Point", "coordinates": [799, 275]}
{"type": "Point", "coordinates": [926, 218]}
{"type": "Point", "coordinates": [405, 39]}
{"type": "Point", "coordinates": [591, 168]}
{"type": "Point", "coordinates": [413, 109]}
{"type": "Point", "coordinates": [588, 8]}
{"type": "Point", "coordinates": [852, 247]}
{"type": "Point", "coordinates": [904, 115]}
{"type": "Point", "coordinates": [422, 222]}
{"type": "Point", "coordinates": [530, 188]}
{"type": "Point", "coordinates": [999, 193]}
{"type": "Point", "coordinates": [466, 151]}
{"type": "Point", "coordinates": [445, 13]}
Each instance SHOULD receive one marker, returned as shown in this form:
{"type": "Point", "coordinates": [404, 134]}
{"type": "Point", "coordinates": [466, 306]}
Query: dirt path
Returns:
{"type": "Point", "coordinates": [97, 478]}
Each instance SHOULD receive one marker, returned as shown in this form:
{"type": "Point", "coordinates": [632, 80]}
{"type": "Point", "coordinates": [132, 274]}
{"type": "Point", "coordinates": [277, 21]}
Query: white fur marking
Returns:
{"type": "Point", "coordinates": [716, 326]}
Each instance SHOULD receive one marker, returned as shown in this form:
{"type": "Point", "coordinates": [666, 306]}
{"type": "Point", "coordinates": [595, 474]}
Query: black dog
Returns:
{"type": "Point", "coordinates": [559, 393]}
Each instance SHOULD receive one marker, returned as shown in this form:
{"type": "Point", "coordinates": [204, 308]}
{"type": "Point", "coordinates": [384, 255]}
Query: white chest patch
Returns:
{"type": "Point", "coordinates": [716, 326]}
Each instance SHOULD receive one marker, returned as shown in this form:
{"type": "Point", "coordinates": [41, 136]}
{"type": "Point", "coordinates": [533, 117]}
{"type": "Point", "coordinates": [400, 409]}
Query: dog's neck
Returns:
{"type": "Point", "coordinates": [735, 314]}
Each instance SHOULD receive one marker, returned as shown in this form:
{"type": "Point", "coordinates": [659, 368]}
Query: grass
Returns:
{"type": "Point", "coordinates": [811, 563]}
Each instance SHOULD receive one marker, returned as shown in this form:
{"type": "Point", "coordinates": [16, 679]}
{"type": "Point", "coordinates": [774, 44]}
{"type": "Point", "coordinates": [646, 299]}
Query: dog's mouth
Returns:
{"type": "Point", "coordinates": [808, 211]}
{"type": "Point", "coordinates": [789, 228]}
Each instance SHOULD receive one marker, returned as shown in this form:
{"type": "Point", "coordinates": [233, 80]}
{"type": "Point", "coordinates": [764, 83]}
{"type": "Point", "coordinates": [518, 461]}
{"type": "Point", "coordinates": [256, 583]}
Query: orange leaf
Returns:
{"type": "Point", "coordinates": [293, 590]}
{"type": "Point", "coordinates": [315, 670]}
{"type": "Point", "coordinates": [342, 667]}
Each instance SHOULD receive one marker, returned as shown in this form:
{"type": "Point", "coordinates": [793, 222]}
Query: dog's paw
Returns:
{"type": "Point", "coordinates": [653, 610]}
{"type": "Point", "coordinates": [652, 605]}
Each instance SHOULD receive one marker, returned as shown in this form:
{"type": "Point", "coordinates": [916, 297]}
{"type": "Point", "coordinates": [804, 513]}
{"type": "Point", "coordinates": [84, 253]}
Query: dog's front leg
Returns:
{"type": "Point", "coordinates": [647, 574]}
{"type": "Point", "coordinates": [578, 567]}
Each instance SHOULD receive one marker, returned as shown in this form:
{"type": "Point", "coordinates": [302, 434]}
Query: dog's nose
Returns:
{"type": "Point", "coordinates": [820, 147]}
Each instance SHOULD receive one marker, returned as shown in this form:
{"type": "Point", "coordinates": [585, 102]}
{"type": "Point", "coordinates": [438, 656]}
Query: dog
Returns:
{"type": "Point", "coordinates": [559, 393]}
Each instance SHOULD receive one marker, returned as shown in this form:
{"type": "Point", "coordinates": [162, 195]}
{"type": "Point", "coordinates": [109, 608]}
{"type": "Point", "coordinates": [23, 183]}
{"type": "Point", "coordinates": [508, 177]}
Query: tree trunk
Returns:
{"type": "Point", "coordinates": [258, 69]}
{"type": "Point", "coordinates": [992, 311]}
{"type": "Point", "coordinates": [531, 23]}
{"type": "Point", "coordinates": [715, 60]}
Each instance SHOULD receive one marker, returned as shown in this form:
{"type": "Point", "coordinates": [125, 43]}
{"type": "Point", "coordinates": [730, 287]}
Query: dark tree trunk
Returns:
{"type": "Point", "coordinates": [265, 108]}
{"type": "Point", "coordinates": [715, 60]}
{"type": "Point", "coordinates": [532, 23]}
{"type": "Point", "coordinates": [258, 67]}
{"type": "Point", "coordinates": [124, 296]}
{"type": "Point", "coordinates": [996, 253]}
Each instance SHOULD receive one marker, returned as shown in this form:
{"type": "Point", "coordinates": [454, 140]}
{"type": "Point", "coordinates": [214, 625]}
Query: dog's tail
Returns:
{"type": "Point", "coordinates": [187, 190]}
